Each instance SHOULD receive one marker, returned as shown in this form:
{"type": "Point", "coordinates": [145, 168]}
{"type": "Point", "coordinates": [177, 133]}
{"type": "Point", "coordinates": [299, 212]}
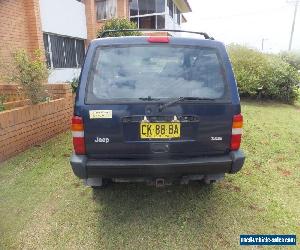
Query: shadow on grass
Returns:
{"type": "Point", "coordinates": [179, 214]}
{"type": "Point", "coordinates": [124, 206]}
{"type": "Point", "coordinates": [127, 202]}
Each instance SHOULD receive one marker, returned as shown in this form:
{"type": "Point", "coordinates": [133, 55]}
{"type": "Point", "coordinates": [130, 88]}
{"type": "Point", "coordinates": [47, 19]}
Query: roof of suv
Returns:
{"type": "Point", "coordinates": [144, 40]}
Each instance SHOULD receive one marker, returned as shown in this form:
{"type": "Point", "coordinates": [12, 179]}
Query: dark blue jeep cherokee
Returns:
{"type": "Point", "coordinates": [156, 109]}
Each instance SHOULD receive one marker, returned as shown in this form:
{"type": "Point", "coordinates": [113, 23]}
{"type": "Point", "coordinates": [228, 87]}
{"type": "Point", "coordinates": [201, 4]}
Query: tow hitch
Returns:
{"type": "Point", "coordinates": [159, 182]}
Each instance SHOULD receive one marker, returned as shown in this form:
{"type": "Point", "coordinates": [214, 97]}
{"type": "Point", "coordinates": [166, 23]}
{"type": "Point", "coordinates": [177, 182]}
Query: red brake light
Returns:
{"type": "Point", "coordinates": [236, 136]}
{"type": "Point", "coordinates": [158, 39]}
{"type": "Point", "coordinates": [79, 146]}
{"type": "Point", "coordinates": [77, 120]}
{"type": "Point", "coordinates": [78, 135]}
{"type": "Point", "coordinates": [235, 142]}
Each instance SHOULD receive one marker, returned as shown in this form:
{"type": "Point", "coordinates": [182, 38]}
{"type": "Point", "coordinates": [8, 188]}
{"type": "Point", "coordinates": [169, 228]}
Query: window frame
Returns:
{"type": "Point", "coordinates": [79, 51]}
{"type": "Point", "coordinates": [176, 13]}
{"type": "Point", "coordinates": [178, 16]}
{"type": "Point", "coordinates": [155, 14]}
{"type": "Point", "coordinates": [169, 9]}
{"type": "Point", "coordinates": [149, 14]}
{"type": "Point", "coordinates": [107, 18]}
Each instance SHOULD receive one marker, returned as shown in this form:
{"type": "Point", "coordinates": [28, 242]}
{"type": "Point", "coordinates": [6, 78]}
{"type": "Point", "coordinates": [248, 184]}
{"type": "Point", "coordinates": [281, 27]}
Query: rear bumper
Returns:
{"type": "Point", "coordinates": [114, 168]}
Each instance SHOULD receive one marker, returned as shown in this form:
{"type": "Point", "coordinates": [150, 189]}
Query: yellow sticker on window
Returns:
{"type": "Point", "coordinates": [100, 114]}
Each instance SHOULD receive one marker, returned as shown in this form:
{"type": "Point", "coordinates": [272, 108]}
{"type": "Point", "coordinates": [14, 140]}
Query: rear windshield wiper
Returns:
{"type": "Point", "coordinates": [149, 98]}
{"type": "Point", "coordinates": [180, 99]}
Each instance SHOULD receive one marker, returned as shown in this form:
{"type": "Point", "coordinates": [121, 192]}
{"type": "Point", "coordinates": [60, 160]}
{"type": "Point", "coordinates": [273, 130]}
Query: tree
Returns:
{"type": "Point", "coordinates": [292, 58]}
{"type": "Point", "coordinates": [119, 24]}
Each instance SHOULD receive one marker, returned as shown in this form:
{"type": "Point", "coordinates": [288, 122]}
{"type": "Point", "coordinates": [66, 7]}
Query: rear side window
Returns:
{"type": "Point", "coordinates": [158, 71]}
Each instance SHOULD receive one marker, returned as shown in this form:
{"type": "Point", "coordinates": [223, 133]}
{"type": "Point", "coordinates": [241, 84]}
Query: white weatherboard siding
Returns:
{"type": "Point", "coordinates": [171, 24]}
{"type": "Point", "coordinates": [63, 17]}
{"type": "Point", "coordinates": [63, 75]}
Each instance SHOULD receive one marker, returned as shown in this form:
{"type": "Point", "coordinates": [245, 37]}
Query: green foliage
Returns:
{"type": "Point", "coordinates": [74, 84]}
{"type": "Point", "coordinates": [264, 76]}
{"type": "Point", "coordinates": [119, 24]}
{"type": "Point", "coordinates": [292, 58]}
{"type": "Point", "coordinates": [30, 73]}
{"type": "Point", "coordinates": [2, 100]}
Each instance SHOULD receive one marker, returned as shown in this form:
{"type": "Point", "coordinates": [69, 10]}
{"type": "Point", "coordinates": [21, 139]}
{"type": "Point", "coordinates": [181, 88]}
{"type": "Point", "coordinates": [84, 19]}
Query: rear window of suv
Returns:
{"type": "Point", "coordinates": [133, 72]}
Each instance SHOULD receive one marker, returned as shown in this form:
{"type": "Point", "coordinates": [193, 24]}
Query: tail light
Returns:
{"type": "Point", "coordinates": [158, 39]}
{"type": "Point", "coordinates": [236, 136]}
{"type": "Point", "coordinates": [78, 135]}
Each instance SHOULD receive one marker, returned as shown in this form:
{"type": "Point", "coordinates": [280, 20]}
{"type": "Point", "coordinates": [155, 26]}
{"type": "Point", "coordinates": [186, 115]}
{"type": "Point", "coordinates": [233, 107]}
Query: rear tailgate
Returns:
{"type": "Point", "coordinates": [118, 72]}
{"type": "Point", "coordinates": [205, 130]}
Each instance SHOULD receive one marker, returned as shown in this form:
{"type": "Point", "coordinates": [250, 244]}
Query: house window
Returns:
{"type": "Point", "coordinates": [148, 14]}
{"type": "Point", "coordinates": [160, 6]}
{"type": "Point", "coordinates": [147, 22]}
{"type": "Point", "coordinates": [170, 6]}
{"type": "Point", "coordinates": [150, 22]}
{"type": "Point", "coordinates": [144, 7]}
{"type": "Point", "coordinates": [70, 52]}
{"type": "Point", "coordinates": [47, 50]}
{"type": "Point", "coordinates": [178, 15]}
{"type": "Point", "coordinates": [80, 52]}
{"type": "Point", "coordinates": [106, 9]}
{"type": "Point", "coordinates": [63, 52]}
{"type": "Point", "coordinates": [135, 20]}
{"type": "Point", "coordinates": [57, 51]}
{"type": "Point", "coordinates": [160, 22]}
{"type": "Point", "coordinates": [134, 7]}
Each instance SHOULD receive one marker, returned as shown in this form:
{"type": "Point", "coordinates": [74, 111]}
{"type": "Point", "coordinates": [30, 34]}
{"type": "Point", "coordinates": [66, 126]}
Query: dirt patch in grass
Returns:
{"type": "Point", "coordinates": [284, 172]}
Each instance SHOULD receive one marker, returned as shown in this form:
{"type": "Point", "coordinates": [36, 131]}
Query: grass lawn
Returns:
{"type": "Point", "coordinates": [43, 205]}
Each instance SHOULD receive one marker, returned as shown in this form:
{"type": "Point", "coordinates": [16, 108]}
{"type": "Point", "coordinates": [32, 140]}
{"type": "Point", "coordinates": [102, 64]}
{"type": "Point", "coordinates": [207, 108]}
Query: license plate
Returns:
{"type": "Point", "coordinates": [160, 130]}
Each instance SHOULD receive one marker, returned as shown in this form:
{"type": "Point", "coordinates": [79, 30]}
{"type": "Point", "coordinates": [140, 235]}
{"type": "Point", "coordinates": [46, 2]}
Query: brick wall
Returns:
{"type": "Point", "coordinates": [13, 92]}
{"type": "Point", "coordinates": [122, 8]}
{"type": "Point", "coordinates": [59, 90]}
{"type": "Point", "coordinates": [26, 126]}
{"type": "Point", "coordinates": [90, 13]}
{"type": "Point", "coordinates": [34, 25]}
{"type": "Point", "coordinates": [20, 27]}
{"type": "Point", "coordinates": [16, 104]}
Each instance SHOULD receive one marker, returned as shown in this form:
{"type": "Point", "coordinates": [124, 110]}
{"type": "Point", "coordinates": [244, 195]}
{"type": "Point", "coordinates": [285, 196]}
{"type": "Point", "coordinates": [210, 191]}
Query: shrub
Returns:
{"type": "Point", "coordinates": [74, 84]}
{"type": "Point", "coordinates": [292, 58]}
{"type": "Point", "coordinates": [2, 100]}
{"type": "Point", "coordinates": [119, 24]}
{"type": "Point", "coordinates": [262, 75]}
{"type": "Point", "coordinates": [30, 73]}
